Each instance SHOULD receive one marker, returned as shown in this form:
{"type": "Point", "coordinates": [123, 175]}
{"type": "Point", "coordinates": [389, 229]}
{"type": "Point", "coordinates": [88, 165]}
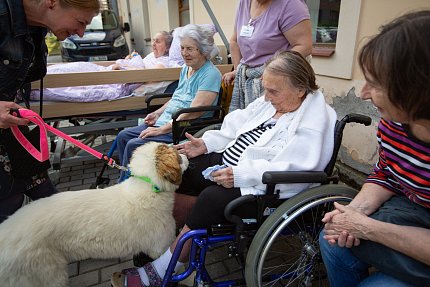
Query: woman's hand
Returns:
{"type": "Point", "coordinates": [228, 78]}
{"type": "Point", "coordinates": [345, 225]}
{"type": "Point", "coordinates": [224, 177]}
{"type": "Point", "coordinates": [151, 118]}
{"type": "Point", "coordinates": [192, 148]}
{"type": "Point", "coordinates": [152, 132]}
{"type": "Point", "coordinates": [6, 119]}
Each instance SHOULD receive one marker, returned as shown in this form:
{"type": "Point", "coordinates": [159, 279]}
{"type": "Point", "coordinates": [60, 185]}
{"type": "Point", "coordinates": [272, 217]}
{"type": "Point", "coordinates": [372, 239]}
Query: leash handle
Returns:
{"type": "Point", "coordinates": [43, 154]}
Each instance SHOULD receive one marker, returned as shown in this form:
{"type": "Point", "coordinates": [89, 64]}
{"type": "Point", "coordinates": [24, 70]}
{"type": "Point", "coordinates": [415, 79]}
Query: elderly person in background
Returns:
{"type": "Point", "coordinates": [290, 128]}
{"type": "Point", "coordinates": [387, 225]}
{"type": "Point", "coordinates": [158, 58]}
{"type": "Point", "coordinates": [199, 84]}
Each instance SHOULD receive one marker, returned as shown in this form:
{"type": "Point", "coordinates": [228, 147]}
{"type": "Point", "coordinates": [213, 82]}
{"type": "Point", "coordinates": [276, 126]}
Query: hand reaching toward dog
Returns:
{"type": "Point", "coordinates": [192, 148]}
{"type": "Point", "coordinates": [6, 119]}
{"type": "Point", "coordinates": [151, 118]}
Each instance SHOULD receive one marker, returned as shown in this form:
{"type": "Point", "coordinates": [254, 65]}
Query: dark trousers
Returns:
{"type": "Point", "coordinates": [212, 198]}
{"type": "Point", "coordinates": [20, 173]}
{"type": "Point", "coordinates": [398, 210]}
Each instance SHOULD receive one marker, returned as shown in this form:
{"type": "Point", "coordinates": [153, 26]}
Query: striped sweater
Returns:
{"type": "Point", "coordinates": [404, 163]}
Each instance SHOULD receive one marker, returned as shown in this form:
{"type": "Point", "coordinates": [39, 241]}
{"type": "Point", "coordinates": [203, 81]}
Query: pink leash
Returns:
{"type": "Point", "coordinates": [43, 153]}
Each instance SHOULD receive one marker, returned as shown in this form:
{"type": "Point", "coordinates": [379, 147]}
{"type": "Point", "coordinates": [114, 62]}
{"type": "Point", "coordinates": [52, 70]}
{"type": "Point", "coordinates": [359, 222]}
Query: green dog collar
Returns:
{"type": "Point", "coordinates": [155, 188]}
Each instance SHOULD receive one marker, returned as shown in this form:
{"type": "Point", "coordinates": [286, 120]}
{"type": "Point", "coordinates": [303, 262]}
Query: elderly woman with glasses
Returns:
{"type": "Point", "coordinates": [199, 83]}
{"type": "Point", "coordinates": [289, 128]}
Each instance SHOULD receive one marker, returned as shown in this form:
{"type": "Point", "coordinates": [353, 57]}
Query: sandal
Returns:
{"type": "Point", "coordinates": [130, 277]}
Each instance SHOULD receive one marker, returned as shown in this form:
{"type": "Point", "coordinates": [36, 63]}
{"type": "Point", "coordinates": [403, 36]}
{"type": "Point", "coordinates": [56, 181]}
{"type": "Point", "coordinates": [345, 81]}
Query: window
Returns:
{"type": "Point", "coordinates": [340, 63]}
{"type": "Point", "coordinates": [325, 21]}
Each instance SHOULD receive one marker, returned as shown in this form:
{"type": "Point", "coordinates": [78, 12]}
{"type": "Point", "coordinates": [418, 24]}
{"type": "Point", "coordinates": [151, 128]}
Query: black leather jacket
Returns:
{"type": "Point", "coordinates": [23, 50]}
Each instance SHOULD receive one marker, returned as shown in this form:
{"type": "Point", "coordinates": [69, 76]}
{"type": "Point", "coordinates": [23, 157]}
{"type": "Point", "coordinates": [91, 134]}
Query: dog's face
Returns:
{"type": "Point", "coordinates": [159, 162]}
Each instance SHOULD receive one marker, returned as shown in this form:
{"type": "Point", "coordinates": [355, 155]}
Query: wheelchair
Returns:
{"type": "Point", "coordinates": [281, 244]}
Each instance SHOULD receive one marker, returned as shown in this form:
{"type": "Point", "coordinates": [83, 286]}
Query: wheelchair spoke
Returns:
{"type": "Point", "coordinates": [286, 252]}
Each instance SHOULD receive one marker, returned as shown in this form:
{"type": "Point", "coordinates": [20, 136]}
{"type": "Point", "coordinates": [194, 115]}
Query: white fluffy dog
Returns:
{"type": "Point", "coordinates": [38, 241]}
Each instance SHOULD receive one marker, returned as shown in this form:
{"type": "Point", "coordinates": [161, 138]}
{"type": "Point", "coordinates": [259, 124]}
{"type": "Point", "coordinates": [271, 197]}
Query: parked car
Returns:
{"type": "Point", "coordinates": [326, 34]}
{"type": "Point", "coordinates": [103, 40]}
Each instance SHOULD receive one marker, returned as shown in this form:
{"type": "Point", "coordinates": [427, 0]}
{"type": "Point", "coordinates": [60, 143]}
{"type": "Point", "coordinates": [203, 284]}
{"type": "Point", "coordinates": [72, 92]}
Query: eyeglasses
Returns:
{"type": "Point", "coordinates": [189, 50]}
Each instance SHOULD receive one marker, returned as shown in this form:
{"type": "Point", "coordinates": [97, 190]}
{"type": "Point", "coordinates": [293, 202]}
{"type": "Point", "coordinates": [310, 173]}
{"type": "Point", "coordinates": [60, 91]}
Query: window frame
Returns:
{"type": "Point", "coordinates": [338, 61]}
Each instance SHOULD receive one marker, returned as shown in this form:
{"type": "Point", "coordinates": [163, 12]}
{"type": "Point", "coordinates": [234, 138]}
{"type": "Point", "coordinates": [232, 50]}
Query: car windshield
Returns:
{"type": "Point", "coordinates": [105, 20]}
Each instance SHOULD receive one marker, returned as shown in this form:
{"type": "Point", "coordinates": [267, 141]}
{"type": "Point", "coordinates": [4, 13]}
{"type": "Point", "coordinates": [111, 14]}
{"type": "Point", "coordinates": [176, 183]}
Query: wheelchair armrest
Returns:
{"type": "Point", "coordinates": [271, 178]}
{"type": "Point", "coordinates": [196, 109]}
{"type": "Point", "coordinates": [276, 177]}
{"type": "Point", "coordinates": [149, 99]}
{"type": "Point", "coordinates": [232, 205]}
{"type": "Point", "coordinates": [157, 96]}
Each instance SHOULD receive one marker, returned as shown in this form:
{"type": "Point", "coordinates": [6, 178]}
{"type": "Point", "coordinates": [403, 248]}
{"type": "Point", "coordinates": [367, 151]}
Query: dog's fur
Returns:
{"type": "Point", "coordinates": [38, 241]}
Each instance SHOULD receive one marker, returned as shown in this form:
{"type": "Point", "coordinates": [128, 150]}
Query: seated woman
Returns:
{"type": "Point", "coordinates": [199, 83]}
{"type": "Point", "coordinates": [158, 58]}
{"type": "Point", "coordinates": [387, 225]}
{"type": "Point", "coordinates": [290, 128]}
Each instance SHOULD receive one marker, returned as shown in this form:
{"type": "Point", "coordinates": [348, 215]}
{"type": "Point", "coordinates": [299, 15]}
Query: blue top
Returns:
{"type": "Point", "coordinates": [207, 78]}
{"type": "Point", "coordinates": [22, 50]}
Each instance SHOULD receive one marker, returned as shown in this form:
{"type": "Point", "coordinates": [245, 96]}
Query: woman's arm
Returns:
{"type": "Point", "coordinates": [300, 37]}
{"type": "Point", "coordinates": [370, 198]}
{"type": "Point", "coordinates": [151, 118]}
{"type": "Point", "coordinates": [236, 56]}
{"type": "Point", "coordinates": [203, 98]}
{"type": "Point", "coordinates": [235, 52]}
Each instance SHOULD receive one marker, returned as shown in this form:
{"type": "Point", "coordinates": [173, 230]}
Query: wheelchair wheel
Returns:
{"type": "Point", "coordinates": [285, 250]}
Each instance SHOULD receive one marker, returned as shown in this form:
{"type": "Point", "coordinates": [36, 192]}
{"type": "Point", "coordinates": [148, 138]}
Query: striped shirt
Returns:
{"type": "Point", "coordinates": [232, 154]}
{"type": "Point", "coordinates": [404, 163]}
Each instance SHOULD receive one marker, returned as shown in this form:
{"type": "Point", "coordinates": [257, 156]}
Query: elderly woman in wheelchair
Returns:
{"type": "Point", "coordinates": [289, 128]}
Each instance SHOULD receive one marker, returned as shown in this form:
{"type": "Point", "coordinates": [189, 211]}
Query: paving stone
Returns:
{"type": "Point", "coordinates": [83, 280]}
{"type": "Point", "coordinates": [94, 264]}
{"type": "Point", "coordinates": [216, 270]}
{"type": "Point", "coordinates": [90, 180]}
{"type": "Point", "coordinates": [69, 184]}
{"type": "Point", "coordinates": [73, 172]}
{"type": "Point", "coordinates": [82, 176]}
{"type": "Point", "coordinates": [72, 269]}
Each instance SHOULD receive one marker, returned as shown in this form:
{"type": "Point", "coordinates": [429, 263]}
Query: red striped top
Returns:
{"type": "Point", "coordinates": [404, 163]}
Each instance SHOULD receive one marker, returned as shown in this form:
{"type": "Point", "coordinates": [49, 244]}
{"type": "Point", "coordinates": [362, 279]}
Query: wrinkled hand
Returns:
{"type": "Point", "coordinates": [345, 226]}
{"type": "Point", "coordinates": [224, 177]}
{"type": "Point", "coordinates": [6, 119]}
{"type": "Point", "coordinates": [151, 132]}
{"type": "Point", "coordinates": [192, 148]}
{"type": "Point", "coordinates": [228, 78]}
{"type": "Point", "coordinates": [151, 118]}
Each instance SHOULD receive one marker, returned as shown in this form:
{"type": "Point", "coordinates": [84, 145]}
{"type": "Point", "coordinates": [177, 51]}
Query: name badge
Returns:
{"type": "Point", "coordinates": [246, 31]}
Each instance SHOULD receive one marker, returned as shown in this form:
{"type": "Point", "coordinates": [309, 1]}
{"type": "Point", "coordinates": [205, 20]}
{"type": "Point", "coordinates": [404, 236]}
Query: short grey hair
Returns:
{"type": "Point", "coordinates": [202, 36]}
{"type": "Point", "coordinates": [168, 38]}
